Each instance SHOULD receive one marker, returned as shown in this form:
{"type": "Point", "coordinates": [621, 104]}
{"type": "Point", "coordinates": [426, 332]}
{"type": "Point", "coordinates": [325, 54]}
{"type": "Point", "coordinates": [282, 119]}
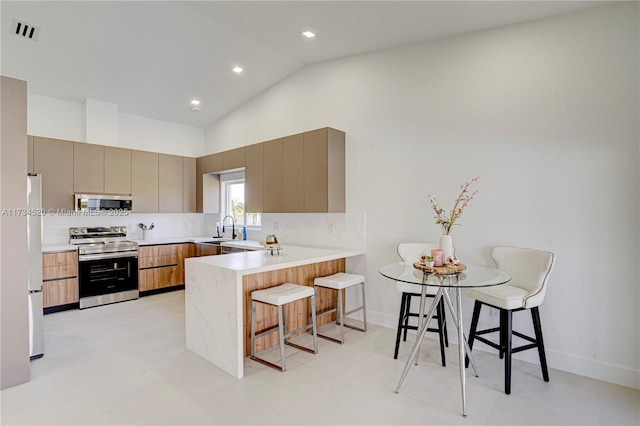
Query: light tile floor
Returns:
{"type": "Point", "coordinates": [127, 364]}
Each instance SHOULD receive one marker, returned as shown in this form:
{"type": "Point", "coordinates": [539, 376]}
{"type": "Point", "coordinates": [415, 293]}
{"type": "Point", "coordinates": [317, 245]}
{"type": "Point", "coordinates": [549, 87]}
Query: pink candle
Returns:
{"type": "Point", "coordinates": [438, 257]}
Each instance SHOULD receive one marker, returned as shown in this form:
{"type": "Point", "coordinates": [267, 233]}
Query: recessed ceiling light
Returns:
{"type": "Point", "coordinates": [237, 70]}
{"type": "Point", "coordinates": [308, 34]}
{"type": "Point", "coordinates": [195, 102]}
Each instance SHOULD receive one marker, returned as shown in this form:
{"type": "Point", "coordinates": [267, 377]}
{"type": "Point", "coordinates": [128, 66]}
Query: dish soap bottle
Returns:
{"type": "Point", "coordinates": [244, 232]}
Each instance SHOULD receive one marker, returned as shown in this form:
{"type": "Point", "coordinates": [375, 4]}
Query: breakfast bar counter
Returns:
{"type": "Point", "coordinates": [217, 296]}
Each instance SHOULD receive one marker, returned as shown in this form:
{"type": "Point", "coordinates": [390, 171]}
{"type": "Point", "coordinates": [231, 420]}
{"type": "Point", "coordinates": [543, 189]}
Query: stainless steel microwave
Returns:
{"type": "Point", "coordinates": [89, 202]}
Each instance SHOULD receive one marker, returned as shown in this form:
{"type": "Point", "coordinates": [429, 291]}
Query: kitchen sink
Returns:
{"type": "Point", "coordinates": [214, 241]}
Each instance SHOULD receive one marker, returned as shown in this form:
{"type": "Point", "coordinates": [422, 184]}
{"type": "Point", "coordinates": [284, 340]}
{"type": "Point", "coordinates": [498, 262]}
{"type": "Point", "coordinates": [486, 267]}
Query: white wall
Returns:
{"type": "Point", "coordinates": [100, 122]}
{"type": "Point", "coordinates": [546, 113]}
{"type": "Point", "coordinates": [55, 118]}
{"type": "Point", "coordinates": [148, 134]}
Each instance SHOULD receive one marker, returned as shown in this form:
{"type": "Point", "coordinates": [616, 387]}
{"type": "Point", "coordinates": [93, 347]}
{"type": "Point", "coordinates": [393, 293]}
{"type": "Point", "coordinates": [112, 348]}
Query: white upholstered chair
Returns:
{"type": "Point", "coordinates": [410, 253]}
{"type": "Point", "coordinates": [529, 269]}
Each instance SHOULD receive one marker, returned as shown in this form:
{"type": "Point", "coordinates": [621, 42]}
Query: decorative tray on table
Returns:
{"type": "Point", "coordinates": [441, 270]}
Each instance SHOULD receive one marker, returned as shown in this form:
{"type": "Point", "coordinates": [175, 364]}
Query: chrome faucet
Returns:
{"type": "Point", "coordinates": [233, 226]}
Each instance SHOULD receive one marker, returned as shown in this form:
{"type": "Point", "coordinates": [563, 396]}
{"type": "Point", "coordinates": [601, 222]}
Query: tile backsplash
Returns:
{"type": "Point", "coordinates": [56, 228]}
{"type": "Point", "coordinates": [318, 229]}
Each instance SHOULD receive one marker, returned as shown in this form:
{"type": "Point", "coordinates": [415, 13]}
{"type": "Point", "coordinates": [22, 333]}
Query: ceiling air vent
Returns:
{"type": "Point", "coordinates": [24, 30]}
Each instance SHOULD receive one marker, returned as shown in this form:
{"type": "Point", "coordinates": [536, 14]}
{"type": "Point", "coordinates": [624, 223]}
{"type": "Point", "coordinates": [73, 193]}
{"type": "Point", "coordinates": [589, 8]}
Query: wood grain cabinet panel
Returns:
{"type": "Point", "coordinates": [117, 170]}
{"type": "Point", "coordinates": [299, 311]}
{"type": "Point", "coordinates": [205, 250]}
{"type": "Point", "coordinates": [60, 292]}
{"type": "Point", "coordinates": [144, 181]}
{"type": "Point", "coordinates": [53, 159]}
{"type": "Point", "coordinates": [293, 174]}
{"type": "Point", "coordinates": [253, 178]}
{"type": "Point", "coordinates": [161, 266]}
{"type": "Point", "coordinates": [60, 278]}
{"type": "Point", "coordinates": [188, 185]}
{"type": "Point", "coordinates": [170, 183]}
{"type": "Point", "coordinates": [273, 177]}
{"type": "Point", "coordinates": [233, 159]}
{"type": "Point", "coordinates": [88, 168]}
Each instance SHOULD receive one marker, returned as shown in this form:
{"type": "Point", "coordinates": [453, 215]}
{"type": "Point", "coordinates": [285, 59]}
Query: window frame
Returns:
{"type": "Point", "coordinates": [227, 180]}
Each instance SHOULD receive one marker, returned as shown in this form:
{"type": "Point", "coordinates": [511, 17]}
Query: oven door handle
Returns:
{"type": "Point", "coordinates": [100, 256]}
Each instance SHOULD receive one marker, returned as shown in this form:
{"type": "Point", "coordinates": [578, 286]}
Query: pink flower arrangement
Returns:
{"type": "Point", "coordinates": [458, 207]}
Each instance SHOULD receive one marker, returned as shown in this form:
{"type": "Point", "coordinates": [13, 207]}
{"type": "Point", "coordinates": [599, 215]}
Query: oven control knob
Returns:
{"type": "Point", "coordinates": [74, 230]}
{"type": "Point", "coordinates": [83, 230]}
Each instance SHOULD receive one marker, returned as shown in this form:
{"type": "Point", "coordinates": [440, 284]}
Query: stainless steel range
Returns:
{"type": "Point", "coordinates": [108, 265]}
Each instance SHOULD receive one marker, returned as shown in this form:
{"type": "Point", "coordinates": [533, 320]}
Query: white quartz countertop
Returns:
{"type": "Point", "coordinates": [252, 262]}
{"type": "Point", "coordinates": [52, 248]}
{"type": "Point", "coordinates": [227, 242]}
{"type": "Point", "coordinates": [178, 240]}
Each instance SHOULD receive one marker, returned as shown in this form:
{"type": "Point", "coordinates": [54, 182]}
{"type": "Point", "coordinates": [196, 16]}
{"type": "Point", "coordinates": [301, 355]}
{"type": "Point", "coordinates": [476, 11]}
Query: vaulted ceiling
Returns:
{"type": "Point", "coordinates": [152, 57]}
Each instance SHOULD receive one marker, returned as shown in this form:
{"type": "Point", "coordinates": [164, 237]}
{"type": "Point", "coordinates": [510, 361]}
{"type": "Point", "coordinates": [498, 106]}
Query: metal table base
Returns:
{"type": "Point", "coordinates": [423, 325]}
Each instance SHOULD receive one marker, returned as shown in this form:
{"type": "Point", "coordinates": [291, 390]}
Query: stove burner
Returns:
{"type": "Point", "coordinates": [103, 240]}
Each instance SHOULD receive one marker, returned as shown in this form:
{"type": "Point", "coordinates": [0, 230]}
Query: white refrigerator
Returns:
{"type": "Point", "coordinates": [34, 270]}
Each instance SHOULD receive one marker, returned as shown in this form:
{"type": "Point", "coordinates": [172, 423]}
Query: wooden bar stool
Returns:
{"type": "Point", "coordinates": [281, 296]}
{"type": "Point", "coordinates": [339, 282]}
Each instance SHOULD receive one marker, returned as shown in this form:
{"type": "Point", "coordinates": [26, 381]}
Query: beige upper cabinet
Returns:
{"type": "Point", "coordinates": [233, 159]}
{"type": "Point", "coordinates": [144, 181]}
{"type": "Point", "coordinates": [212, 163]}
{"type": "Point", "coordinates": [272, 177]}
{"type": "Point", "coordinates": [170, 176]}
{"type": "Point", "coordinates": [188, 185]}
{"type": "Point", "coordinates": [253, 178]}
{"type": "Point", "coordinates": [88, 168]}
{"type": "Point", "coordinates": [293, 174]}
{"type": "Point", "coordinates": [199, 178]}
{"type": "Point", "coordinates": [53, 159]}
{"type": "Point", "coordinates": [324, 171]}
{"type": "Point", "coordinates": [117, 170]}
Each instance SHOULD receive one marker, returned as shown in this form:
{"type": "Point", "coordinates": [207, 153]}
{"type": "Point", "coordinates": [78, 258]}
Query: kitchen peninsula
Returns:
{"type": "Point", "coordinates": [218, 297]}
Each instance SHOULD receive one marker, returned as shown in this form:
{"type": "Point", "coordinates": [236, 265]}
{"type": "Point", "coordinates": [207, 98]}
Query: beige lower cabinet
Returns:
{"type": "Point", "coordinates": [60, 279]}
{"type": "Point", "coordinates": [161, 266]}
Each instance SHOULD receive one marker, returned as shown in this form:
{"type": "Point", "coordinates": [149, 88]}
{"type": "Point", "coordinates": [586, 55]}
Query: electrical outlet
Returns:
{"type": "Point", "coordinates": [331, 228]}
{"type": "Point", "coordinates": [493, 312]}
{"type": "Point", "coordinates": [276, 225]}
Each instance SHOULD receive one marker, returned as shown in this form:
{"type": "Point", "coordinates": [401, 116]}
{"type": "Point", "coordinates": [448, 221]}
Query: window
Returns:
{"type": "Point", "coordinates": [233, 203]}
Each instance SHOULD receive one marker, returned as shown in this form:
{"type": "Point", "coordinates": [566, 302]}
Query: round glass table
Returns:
{"type": "Point", "coordinates": [472, 277]}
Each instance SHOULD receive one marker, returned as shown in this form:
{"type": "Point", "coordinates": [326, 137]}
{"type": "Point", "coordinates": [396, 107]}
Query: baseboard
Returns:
{"type": "Point", "coordinates": [570, 363]}
{"type": "Point", "coordinates": [595, 369]}
{"type": "Point", "coordinates": [161, 290]}
{"type": "Point", "coordinates": [60, 308]}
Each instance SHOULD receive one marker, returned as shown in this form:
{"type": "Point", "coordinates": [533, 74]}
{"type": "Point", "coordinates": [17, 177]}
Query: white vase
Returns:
{"type": "Point", "coordinates": [446, 245]}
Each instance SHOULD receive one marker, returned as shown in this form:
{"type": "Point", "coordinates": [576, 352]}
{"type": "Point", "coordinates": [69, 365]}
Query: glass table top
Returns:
{"type": "Point", "coordinates": [473, 276]}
